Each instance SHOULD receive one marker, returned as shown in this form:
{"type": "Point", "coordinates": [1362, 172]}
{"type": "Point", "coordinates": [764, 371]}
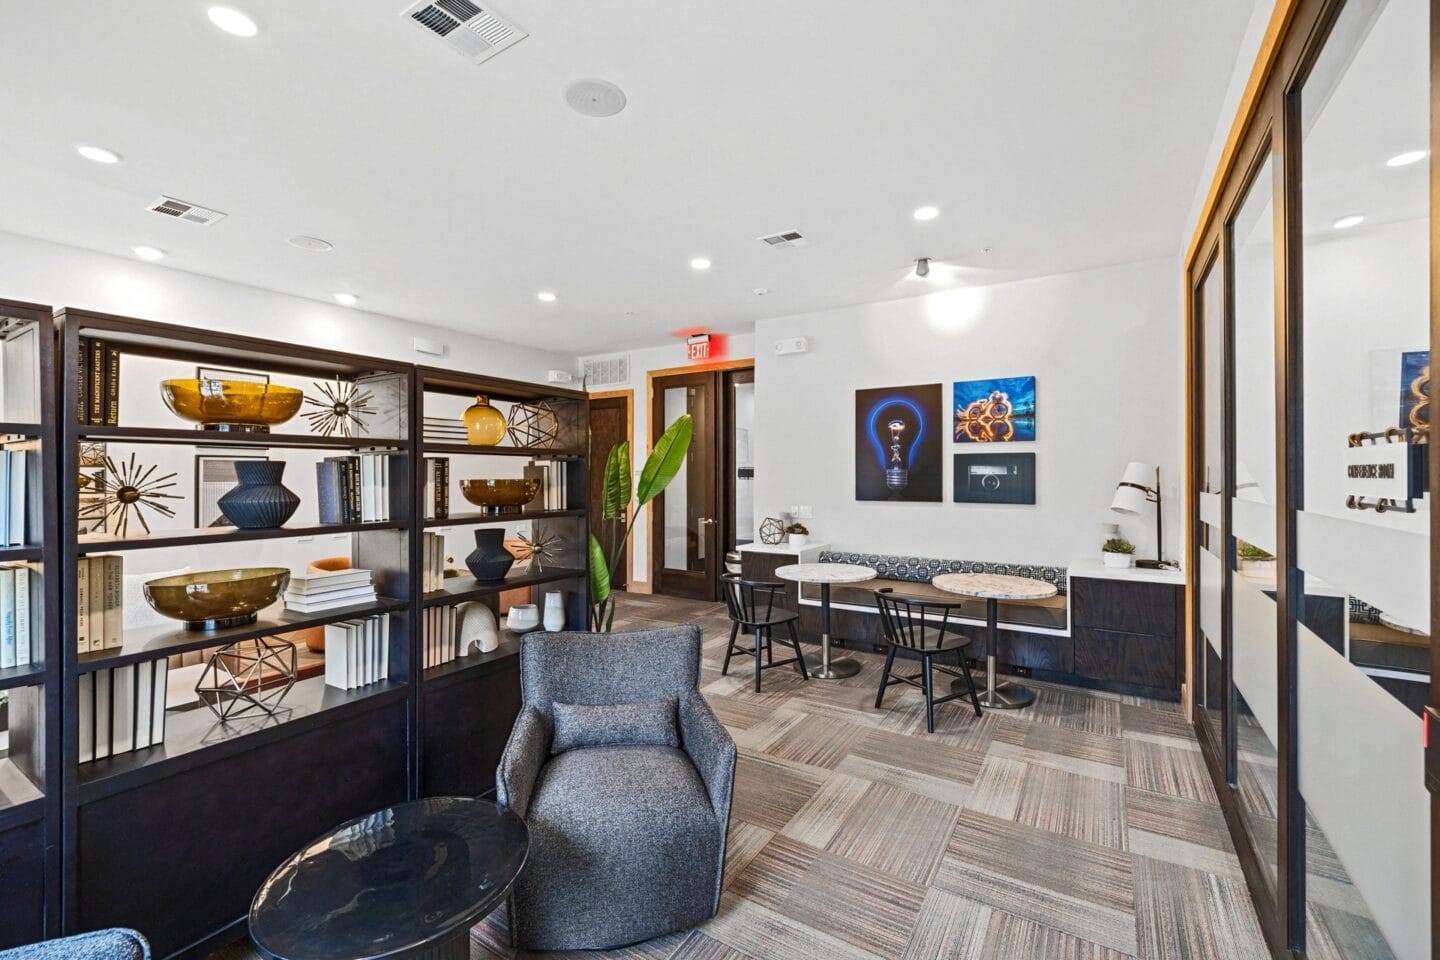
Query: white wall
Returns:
{"type": "Point", "coordinates": [1105, 347]}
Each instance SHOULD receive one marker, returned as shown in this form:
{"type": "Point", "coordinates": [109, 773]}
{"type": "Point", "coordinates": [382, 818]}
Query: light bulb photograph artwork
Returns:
{"type": "Point", "coordinates": [898, 433]}
{"type": "Point", "coordinates": [1001, 410]}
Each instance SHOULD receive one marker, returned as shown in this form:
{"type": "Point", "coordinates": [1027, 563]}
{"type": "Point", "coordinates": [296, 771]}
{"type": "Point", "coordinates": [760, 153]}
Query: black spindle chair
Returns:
{"type": "Point", "coordinates": [926, 629]}
{"type": "Point", "coordinates": [752, 608]}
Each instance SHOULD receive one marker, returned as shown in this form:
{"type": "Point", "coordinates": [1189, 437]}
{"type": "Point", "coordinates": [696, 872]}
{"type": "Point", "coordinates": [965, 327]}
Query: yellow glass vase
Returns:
{"type": "Point", "coordinates": [484, 425]}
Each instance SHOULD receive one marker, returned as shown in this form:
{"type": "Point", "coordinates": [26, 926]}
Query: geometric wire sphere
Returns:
{"type": "Point", "coordinates": [772, 531]}
{"type": "Point", "coordinates": [234, 684]}
{"type": "Point", "coordinates": [534, 425]}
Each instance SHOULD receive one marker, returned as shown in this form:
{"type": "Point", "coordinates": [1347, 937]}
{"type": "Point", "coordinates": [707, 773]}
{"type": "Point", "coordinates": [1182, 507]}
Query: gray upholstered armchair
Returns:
{"type": "Point", "coordinates": [116, 944]}
{"type": "Point", "coordinates": [624, 777]}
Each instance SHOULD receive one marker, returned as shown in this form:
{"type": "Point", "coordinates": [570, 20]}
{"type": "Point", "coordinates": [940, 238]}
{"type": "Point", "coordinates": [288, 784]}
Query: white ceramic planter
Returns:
{"type": "Point", "coordinates": [555, 611]}
{"type": "Point", "coordinates": [799, 540]}
{"type": "Point", "coordinates": [1117, 561]}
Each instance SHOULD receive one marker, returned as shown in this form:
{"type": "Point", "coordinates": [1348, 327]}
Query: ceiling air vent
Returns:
{"type": "Point", "coordinates": [786, 238]}
{"type": "Point", "coordinates": [611, 371]}
{"type": "Point", "coordinates": [467, 28]}
{"type": "Point", "coordinates": [189, 212]}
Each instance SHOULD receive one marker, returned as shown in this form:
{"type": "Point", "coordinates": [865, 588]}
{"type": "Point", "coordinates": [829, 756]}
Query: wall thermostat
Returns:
{"type": "Point", "coordinates": [792, 345]}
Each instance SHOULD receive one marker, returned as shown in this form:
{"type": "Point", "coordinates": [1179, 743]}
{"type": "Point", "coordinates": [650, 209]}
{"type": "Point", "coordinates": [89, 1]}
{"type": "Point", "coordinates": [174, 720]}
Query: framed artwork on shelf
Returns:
{"type": "Point", "coordinates": [994, 478]}
{"type": "Point", "coordinates": [898, 453]}
{"type": "Point", "coordinates": [215, 477]}
{"type": "Point", "coordinates": [1000, 410]}
{"type": "Point", "coordinates": [1415, 390]}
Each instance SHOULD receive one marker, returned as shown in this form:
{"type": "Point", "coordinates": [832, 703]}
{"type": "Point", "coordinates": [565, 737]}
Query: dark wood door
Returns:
{"type": "Point", "coordinates": [686, 534]}
{"type": "Point", "coordinates": [609, 425]}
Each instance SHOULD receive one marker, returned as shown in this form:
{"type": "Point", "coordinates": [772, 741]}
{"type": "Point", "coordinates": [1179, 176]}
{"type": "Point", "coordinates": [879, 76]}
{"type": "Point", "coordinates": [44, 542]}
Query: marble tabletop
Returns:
{"type": "Point", "coordinates": [825, 572]}
{"type": "Point", "coordinates": [994, 586]}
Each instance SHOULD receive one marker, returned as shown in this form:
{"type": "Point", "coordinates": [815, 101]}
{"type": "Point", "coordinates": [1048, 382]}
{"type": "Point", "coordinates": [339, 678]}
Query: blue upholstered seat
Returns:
{"type": "Point", "coordinates": [117, 944]}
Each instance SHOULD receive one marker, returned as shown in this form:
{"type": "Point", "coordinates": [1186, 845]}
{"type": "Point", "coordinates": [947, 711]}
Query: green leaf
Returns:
{"type": "Point", "coordinates": [665, 460]}
{"type": "Point", "coordinates": [599, 573]}
{"type": "Point", "coordinates": [616, 500]}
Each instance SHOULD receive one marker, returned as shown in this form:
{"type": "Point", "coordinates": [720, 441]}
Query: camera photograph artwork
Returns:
{"type": "Point", "coordinates": [1001, 410]}
{"type": "Point", "coordinates": [995, 478]}
{"type": "Point", "coordinates": [899, 435]}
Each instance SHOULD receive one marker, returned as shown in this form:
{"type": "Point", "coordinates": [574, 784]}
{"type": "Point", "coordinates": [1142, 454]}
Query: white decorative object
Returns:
{"type": "Point", "coordinates": [523, 617]}
{"type": "Point", "coordinates": [475, 623]}
{"type": "Point", "coordinates": [1119, 561]}
{"type": "Point", "coordinates": [555, 611]}
{"type": "Point", "coordinates": [799, 540]}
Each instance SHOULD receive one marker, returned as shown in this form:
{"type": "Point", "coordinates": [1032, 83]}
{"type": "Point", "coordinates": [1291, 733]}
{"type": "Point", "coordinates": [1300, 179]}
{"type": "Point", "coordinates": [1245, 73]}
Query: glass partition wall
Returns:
{"type": "Point", "coordinates": [1311, 319]}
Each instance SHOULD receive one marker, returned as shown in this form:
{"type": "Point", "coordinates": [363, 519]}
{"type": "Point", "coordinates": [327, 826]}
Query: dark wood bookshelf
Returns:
{"type": "Point", "coordinates": [483, 519]}
{"type": "Point", "coordinates": [32, 674]}
{"type": "Point", "coordinates": [10, 428]}
{"type": "Point", "coordinates": [464, 587]}
{"type": "Point", "coordinates": [218, 535]}
{"type": "Point", "coordinates": [232, 438]}
{"type": "Point", "coordinates": [466, 450]}
{"type": "Point", "coordinates": [12, 554]}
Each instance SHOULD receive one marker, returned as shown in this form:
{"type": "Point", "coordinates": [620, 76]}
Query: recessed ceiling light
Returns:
{"type": "Point", "coordinates": [346, 299]}
{"type": "Point", "coordinates": [310, 243]}
{"type": "Point", "coordinates": [149, 253]}
{"type": "Point", "coordinates": [700, 263]}
{"type": "Point", "coordinates": [1344, 223]}
{"type": "Point", "coordinates": [98, 154]}
{"type": "Point", "coordinates": [1406, 158]}
{"type": "Point", "coordinates": [926, 213]}
{"type": "Point", "coordinates": [546, 296]}
{"type": "Point", "coordinates": [233, 22]}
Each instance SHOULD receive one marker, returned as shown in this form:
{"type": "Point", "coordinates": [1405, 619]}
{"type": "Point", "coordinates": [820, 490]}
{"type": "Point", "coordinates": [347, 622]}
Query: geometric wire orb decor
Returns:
{"type": "Point", "coordinates": [341, 409]}
{"type": "Point", "coordinates": [231, 682]}
{"type": "Point", "coordinates": [772, 531]}
{"type": "Point", "coordinates": [125, 489]}
{"type": "Point", "coordinates": [534, 425]}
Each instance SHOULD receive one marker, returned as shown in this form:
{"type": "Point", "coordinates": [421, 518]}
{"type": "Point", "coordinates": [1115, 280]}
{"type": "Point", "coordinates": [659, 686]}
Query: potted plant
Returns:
{"type": "Point", "coordinates": [1117, 552]}
{"type": "Point", "coordinates": [799, 536]}
{"type": "Point", "coordinates": [608, 550]}
{"type": "Point", "coordinates": [1253, 560]}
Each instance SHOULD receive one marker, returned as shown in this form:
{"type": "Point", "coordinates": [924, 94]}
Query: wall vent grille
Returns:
{"type": "Point", "coordinates": [603, 372]}
{"type": "Point", "coordinates": [474, 32]}
{"type": "Point", "coordinates": [785, 238]}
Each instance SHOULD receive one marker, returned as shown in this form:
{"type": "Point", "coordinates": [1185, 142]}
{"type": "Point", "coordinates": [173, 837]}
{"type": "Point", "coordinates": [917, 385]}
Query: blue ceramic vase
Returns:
{"type": "Point", "coordinates": [489, 561]}
{"type": "Point", "coordinates": [261, 501]}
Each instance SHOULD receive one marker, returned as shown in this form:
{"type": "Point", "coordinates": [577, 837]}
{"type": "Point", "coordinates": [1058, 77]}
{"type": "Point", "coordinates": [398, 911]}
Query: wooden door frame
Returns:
{"type": "Point", "coordinates": [650, 377]}
{"type": "Point", "coordinates": [628, 395]}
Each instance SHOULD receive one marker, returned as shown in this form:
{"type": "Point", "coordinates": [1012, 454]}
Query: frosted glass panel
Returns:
{"type": "Point", "coordinates": [681, 531]}
{"type": "Point", "coordinates": [1209, 680]}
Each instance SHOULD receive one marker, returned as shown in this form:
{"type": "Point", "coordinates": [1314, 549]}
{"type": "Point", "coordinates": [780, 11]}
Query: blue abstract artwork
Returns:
{"type": "Point", "coordinates": [899, 434]}
{"type": "Point", "coordinates": [1001, 410]}
{"type": "Point", "coordinates": [1415, 390]}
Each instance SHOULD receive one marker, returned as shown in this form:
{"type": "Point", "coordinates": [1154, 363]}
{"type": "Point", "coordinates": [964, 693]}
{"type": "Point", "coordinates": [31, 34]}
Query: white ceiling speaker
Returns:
{"type": "Point", "coordinates": [315, 244]}
{"type": "Point", "coordinates": [467, 28]}
{"type": "Point", "coordinates": [595, 98]}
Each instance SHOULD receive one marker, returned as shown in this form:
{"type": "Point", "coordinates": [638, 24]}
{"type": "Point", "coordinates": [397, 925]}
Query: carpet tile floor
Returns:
{"type": "Point", "coordinates": [1082, 828]}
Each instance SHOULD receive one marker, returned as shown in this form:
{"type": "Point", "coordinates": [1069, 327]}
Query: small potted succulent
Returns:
{"type": "Point", "coordinates": [799, 536]}
{"type": "Point", "coordinates": [1254, 561]}
{"type": "Point", "coordinates": [1118, 552]}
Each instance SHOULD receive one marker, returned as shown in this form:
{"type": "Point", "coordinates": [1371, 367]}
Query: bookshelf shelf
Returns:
{"type": "Point", "coordinates": [9, 554]}
{"type": "Point", "coordinates": [458, 589]}
{"type": "Point", "coordinates": [475, 665]}
{"type": "Point", "coordinates": [26, 676]}
{"type": "Point", "coordinates": [16, 789]}
{"type": "Point", "coordinates": [220, 438]}
{"type": "Point", "coordinates": [167, 641]}
{"type": "Point", "coordinates": [466, 450]}
{"type": "Point", "coordinates": [486, 519]}
{"type": "Point", "coordinates": [188, 538]}
{"type": "Point", "coordinates": [21, 429]}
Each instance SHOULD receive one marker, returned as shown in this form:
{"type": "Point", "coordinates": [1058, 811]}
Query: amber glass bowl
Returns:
{"type": "Point", "coordinates": [217, 598]}
{"type": "Point", "coordinates": [497, 495]}
{"type": "Point", "coordinates": [231, 404]}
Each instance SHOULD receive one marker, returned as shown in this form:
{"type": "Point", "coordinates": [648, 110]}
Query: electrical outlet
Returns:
{"type": "Point", "coordinates": [802, 511]}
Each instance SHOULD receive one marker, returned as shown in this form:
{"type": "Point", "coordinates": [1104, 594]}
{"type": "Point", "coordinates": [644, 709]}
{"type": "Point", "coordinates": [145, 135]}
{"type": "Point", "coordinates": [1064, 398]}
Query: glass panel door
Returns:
{"type": "Point", "coordinates": [686, 544]}
{"type": "Point", "coordinates": [1209, 573]}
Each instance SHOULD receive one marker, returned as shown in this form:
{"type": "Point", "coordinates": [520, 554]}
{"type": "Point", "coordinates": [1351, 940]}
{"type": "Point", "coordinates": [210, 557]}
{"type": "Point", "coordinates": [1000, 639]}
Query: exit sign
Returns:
{"type": "Point", "coordinates": [697, 347]}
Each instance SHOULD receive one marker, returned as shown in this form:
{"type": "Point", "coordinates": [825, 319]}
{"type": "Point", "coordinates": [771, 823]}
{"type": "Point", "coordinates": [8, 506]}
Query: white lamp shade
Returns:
{"type": "Point", "coordinates": [1130, 494]}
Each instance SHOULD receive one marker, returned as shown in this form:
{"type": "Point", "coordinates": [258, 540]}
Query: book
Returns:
{"type": "Point", "coordinates": [95, 593]}
{"type": "Point", "coordinates": [82, 382]}
{"type": "Point", "coordinates": [112, 386]}
{"type": "Point", "coordinates": [121, 709]}
{"type": "Point", "coordinates": [7, 618]}
{"type": "Point", "coordinates": [327, 491]}
{"type": "Point", "coordinates": [95, 363]}
{"type": "Point", "coordinates": [122, 705]}
{"type": "Point", "coordinates": [16, 472]}
{"type": "Point", "coordinates": [82, 605]}
{"type": "Point", "coordinates": [332, 580]}
{"type": "Point", "coordinates": [318, 606]}
{"type": "Point", "coordinates": [86, 731]}
{"type": "Point", "coordinates": [20, 372]}
{"type": "Point", "coordinates": [25, 652]}
{"type": "Point", "coordinates": [113, 626]}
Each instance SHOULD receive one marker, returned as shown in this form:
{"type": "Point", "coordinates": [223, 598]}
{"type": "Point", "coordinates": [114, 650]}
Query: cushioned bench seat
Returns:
{"type": "Point", "coordinates": [1050, 614]}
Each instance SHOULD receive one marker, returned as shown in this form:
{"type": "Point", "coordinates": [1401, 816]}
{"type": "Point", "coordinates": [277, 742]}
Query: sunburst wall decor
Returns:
{"type": "Point", "coordinates": [129, 488]}
{"type": "Point", "coordinates": [341, 411]}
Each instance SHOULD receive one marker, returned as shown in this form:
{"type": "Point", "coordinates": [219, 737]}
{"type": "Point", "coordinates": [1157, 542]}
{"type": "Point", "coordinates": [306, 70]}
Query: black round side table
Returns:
{"type": "Point", "coordinates": [408, 881]}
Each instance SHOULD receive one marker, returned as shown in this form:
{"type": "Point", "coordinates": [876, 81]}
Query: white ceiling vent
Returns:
{"type": "Point", "coordinates": [785, 238]}
{"type": "Point", "coordinates": [611, 371]}
{"type": "Point", "coordinates": [189, 212]}
{"type": "Point", "coordinates": [467, 28]}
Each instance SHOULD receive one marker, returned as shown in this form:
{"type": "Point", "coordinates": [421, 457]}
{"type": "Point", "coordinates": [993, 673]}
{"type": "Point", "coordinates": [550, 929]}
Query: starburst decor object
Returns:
{"type": "Point", "coordinates": [543, 547]}
{"type": "Point", "coordinates": [534, 425]}
{"type": "Point", "coordinates": [341, 411]}
{"type": "Point", "coordinates": [249, 676]}
{"type": "Point", "coordinates": [129, 489]}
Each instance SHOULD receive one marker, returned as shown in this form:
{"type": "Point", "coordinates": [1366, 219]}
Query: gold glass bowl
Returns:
{"type": "Point", "coordinates": [217, 598]}
{"type": "Point", "coordinates": [500, 496]}
{"type": "Point", "coordinates": [231, 404]}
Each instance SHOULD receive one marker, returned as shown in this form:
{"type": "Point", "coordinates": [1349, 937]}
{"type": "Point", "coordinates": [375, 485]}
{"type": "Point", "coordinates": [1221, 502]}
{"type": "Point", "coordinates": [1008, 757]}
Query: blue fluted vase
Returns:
{"type": "Point", "coordinates": [489, 561]}
{"type": "Point", "coordinates": [261, 501]}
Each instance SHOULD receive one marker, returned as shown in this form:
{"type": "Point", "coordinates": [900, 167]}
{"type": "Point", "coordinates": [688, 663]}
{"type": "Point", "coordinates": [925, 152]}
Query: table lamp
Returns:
{"type": "Point", "coordinates": [1132, 494]}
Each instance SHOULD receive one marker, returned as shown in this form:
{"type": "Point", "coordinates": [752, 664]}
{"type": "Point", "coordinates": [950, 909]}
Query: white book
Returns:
{"type": "Point", "coordinates": [5, 487]}
{"type": "Point", "coordinates": [351, 656]}
{"type": "Point", "coordinates": [122, 708]}
{"type": "Point", "coordinates": [95, 593]}
{"type": "Point", "coordinates": [7, 618]}
{"type": "Point", "coordinates": [382, 488]}
{"type": "Point", "coordinates": [104, 719]}
{"type": "Point", "coordinates": [449, 634]}
{"type": "Point", "coordinates": [144, 690]}
{"type": "Point", "coordinates": [334, 603]}
{"type": "Point", "coordinates": [335, 655]}
{"type": "Point", "coordinates": [369, 484]}
{"type": "Point", "coordinates": [319, 583]}
{"type": "Point", "coordinates": [87, 717]}
{"type": "Point", "coordinates": [372, 654]}
{"type": "Point", "coordinates": [82, 605]}
{"type": "Point", "coordinates": [327, 596]}
{"type": "Point", "coordinates": [157, 701]}
{"type": "Point", "coordinates": [113, 573]}
{"type": "Point", "coordinates": [24, 631]}
{"type": "Point", "coordinates": [384, 646]}
{"type": "Point", "coordinates": [20, 373]}
{"type": "Point", "coordinates": [16, 489]}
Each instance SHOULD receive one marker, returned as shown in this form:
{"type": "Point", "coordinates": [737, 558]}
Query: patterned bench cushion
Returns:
{"type": "Point", "coordinates": [925, 569]}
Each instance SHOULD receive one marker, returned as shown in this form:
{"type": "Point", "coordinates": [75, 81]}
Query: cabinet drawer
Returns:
{"type": "Point", "coordinates": [1125, 606]}
{"type": "Point", "coordinates": [1136, 658]}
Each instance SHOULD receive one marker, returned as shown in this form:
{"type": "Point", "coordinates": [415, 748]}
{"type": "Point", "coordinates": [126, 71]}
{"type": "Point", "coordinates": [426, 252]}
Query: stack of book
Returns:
{"type": "Point", "coordinates": [432, 555]}
{"type": "Point", "coordinates": [17, 632]}
{"type": "Point", "coordinates": [441, 642]}
{"type": "Point", "coordinates": [357, 652]}
{"type": "Point", "coordinates": [443, 430]}
{"type": "Point", "coordinates": [554, 493]}
{"type": "Point", "coordinates": [318, 592]}
{"type": "Point", "coordinates": [354, 489]}
{"type": "Point", "coordinates": [19, 371]}
{"type": "Point", "coordinates": [122, 709]}
{"type": "Point", "coordinates": [98, 383]}
{"type": "Point", "coordinates": [99, 603]}
{"type": "Point", "coordinates": [437, 488]}
{"type": "Point", "coordinates": [19, 459]}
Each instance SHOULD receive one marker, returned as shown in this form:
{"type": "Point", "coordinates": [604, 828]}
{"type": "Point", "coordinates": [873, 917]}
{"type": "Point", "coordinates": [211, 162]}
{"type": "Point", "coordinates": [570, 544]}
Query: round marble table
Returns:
{"type": "Point", "coordinates": [826, 574]}
{"type": "Point", "coordinates": [992, 588]}
{"type": "Point", "coordinates": [406, 881]}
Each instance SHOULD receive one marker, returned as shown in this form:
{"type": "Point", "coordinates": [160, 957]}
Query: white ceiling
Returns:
{"type": "Point", "coordinates": [1062, 135]}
